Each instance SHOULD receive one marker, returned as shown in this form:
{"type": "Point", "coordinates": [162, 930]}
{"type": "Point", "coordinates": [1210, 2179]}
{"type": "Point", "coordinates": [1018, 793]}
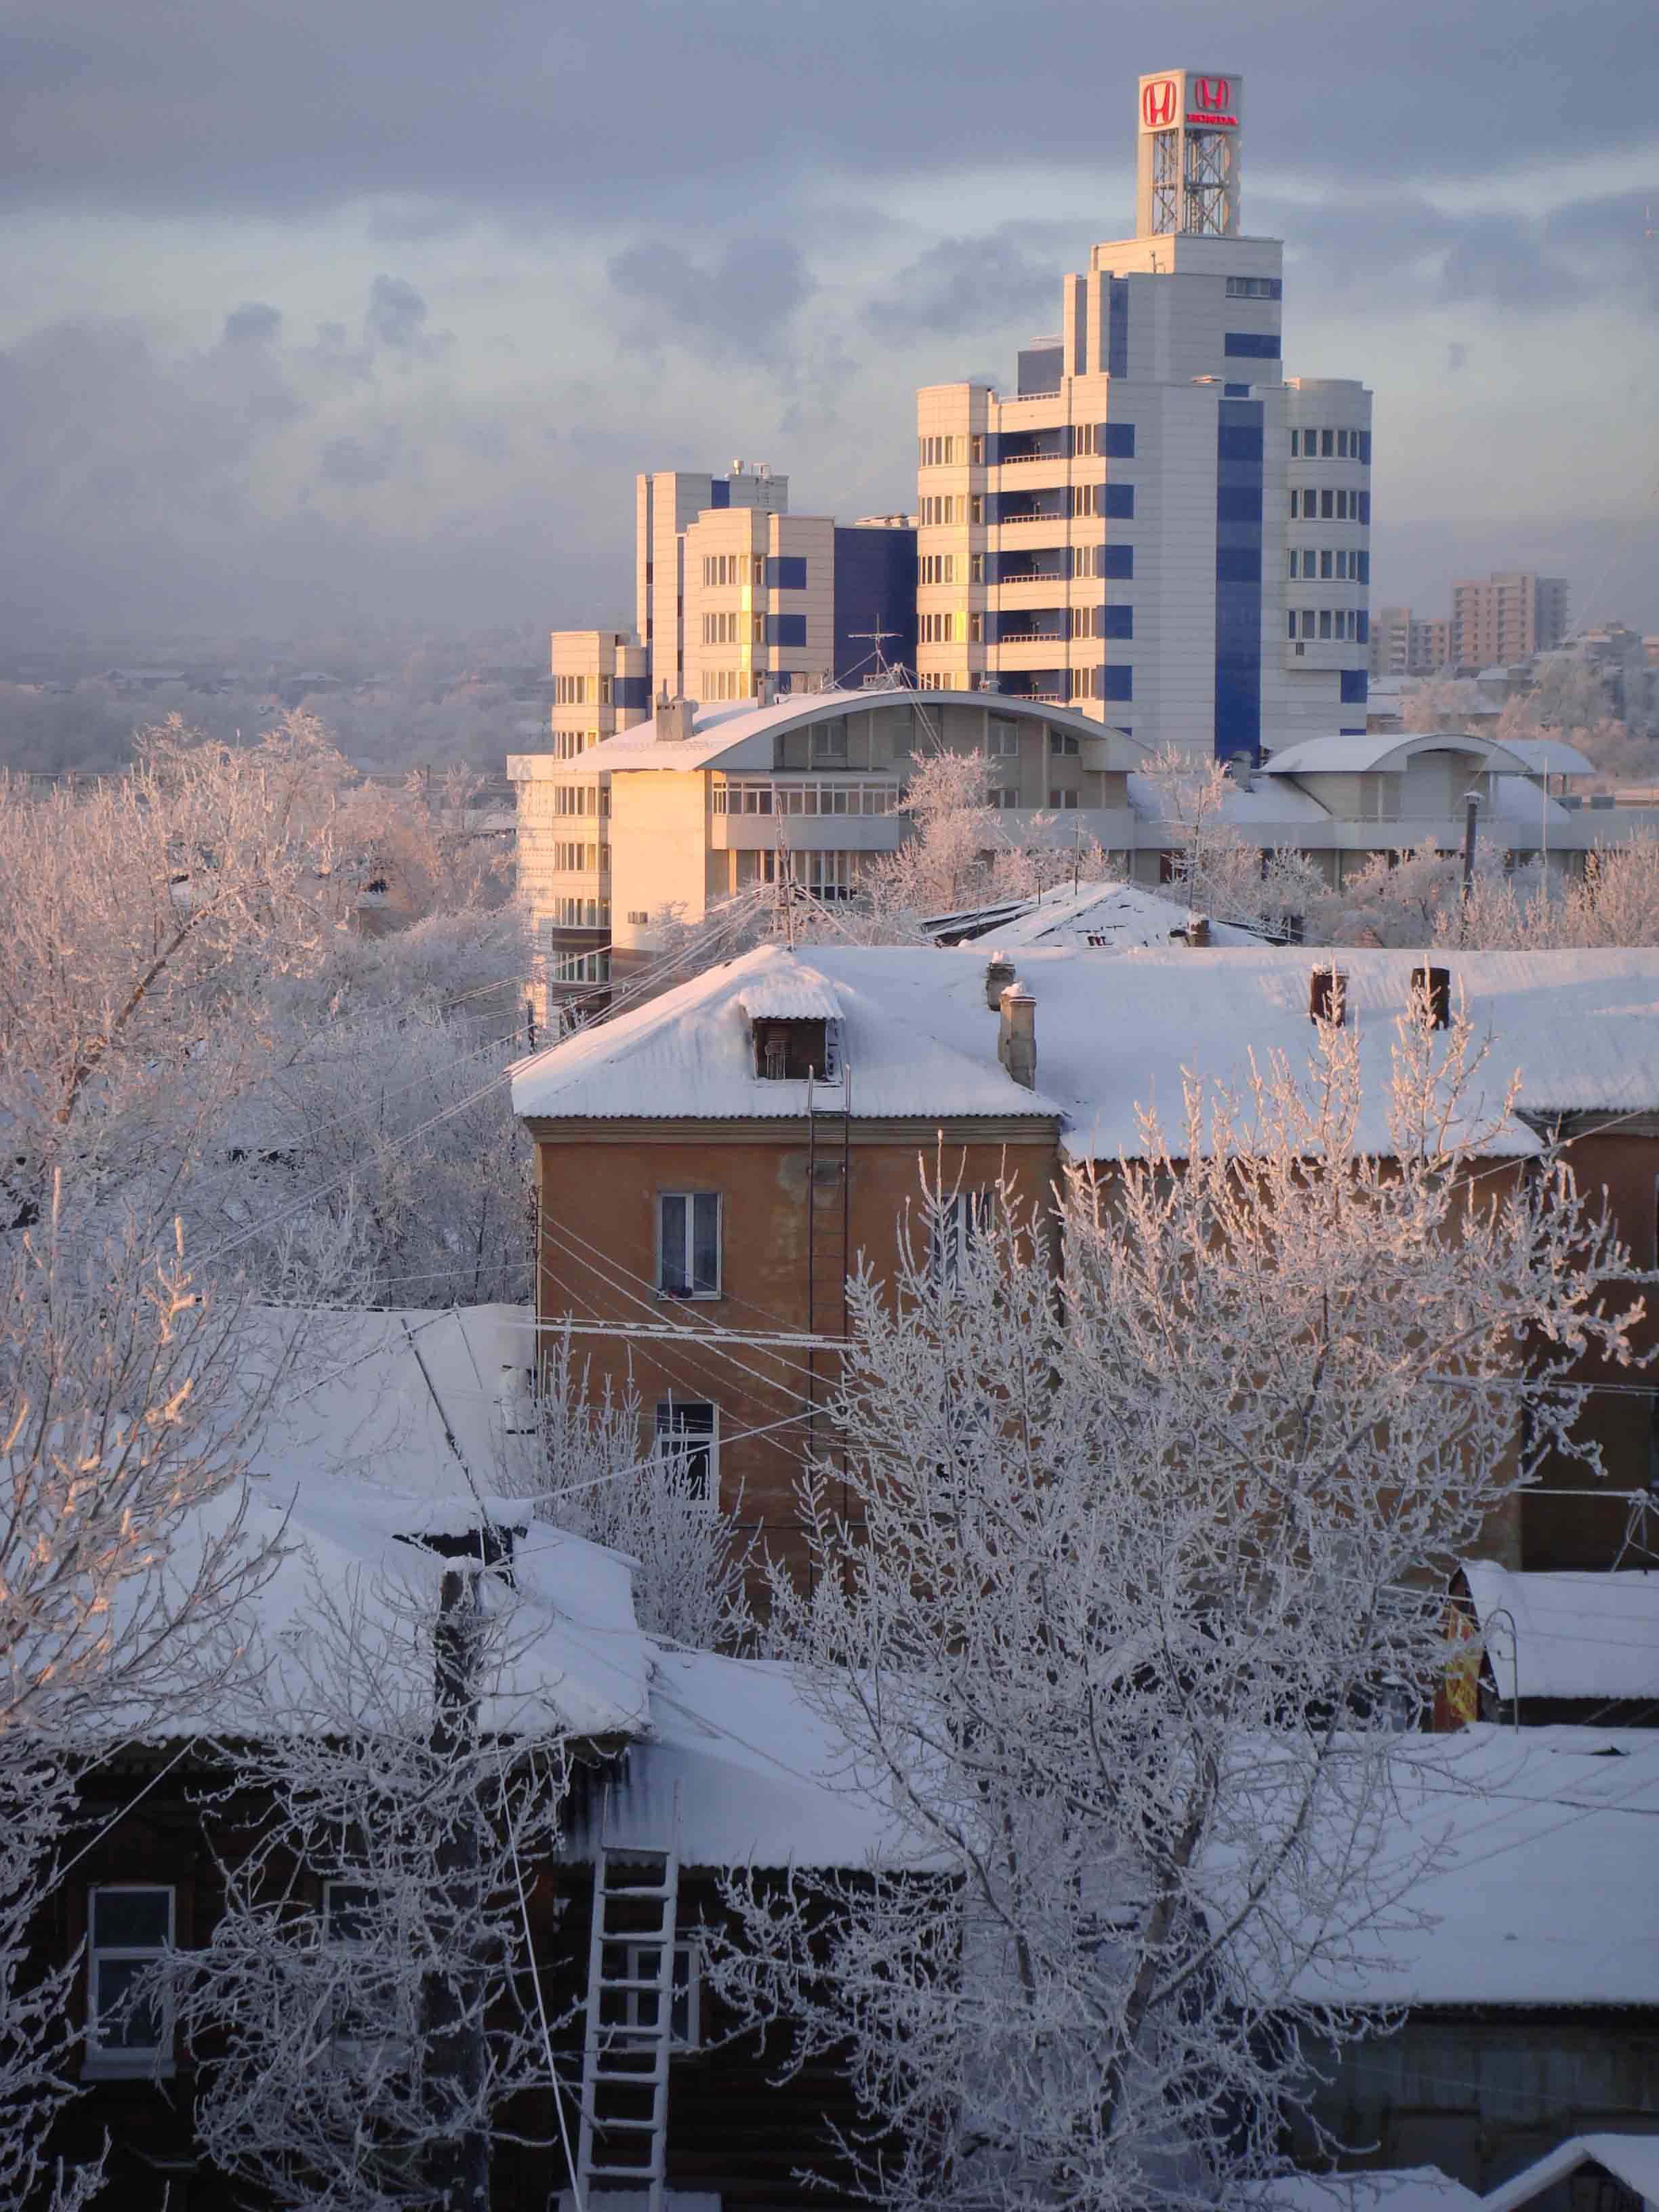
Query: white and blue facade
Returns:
{"type": "Point", "coordinates": [1158, 528]}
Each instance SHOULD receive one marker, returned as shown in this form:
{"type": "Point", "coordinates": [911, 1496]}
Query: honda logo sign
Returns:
{"type": "Point", "coordinates": [1210, 95]}
{"type": "Point", "coordinates": [1159, 107]}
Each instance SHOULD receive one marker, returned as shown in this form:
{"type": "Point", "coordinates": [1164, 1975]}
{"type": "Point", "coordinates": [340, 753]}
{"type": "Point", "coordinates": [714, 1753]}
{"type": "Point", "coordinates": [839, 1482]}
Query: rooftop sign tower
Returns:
{"type": "Point", "coordinates": [1187, 171]}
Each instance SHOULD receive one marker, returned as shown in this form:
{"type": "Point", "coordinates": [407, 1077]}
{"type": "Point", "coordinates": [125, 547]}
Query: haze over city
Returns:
{"type": "Point", "coordinates": [325, 316]}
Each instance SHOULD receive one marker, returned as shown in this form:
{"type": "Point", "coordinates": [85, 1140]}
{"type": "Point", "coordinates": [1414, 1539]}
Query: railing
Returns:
{"type": "Point", "coordinates": [1013, 460]}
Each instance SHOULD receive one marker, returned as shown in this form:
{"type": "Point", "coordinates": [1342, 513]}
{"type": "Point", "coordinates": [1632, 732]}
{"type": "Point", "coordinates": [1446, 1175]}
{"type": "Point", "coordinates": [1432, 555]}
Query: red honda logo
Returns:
{"type": "Point", "coordinates": [1158, 105]}
{"type": "Point", "coordinates": [1210, 94]}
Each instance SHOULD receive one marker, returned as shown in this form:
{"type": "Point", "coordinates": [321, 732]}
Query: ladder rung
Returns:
{"type": "Point", "coordinates": [617, 2125]}
{"type": "Point", "coordinates": [651, 2172]}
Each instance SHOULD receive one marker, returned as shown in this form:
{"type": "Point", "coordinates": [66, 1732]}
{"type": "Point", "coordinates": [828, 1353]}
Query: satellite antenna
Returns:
{"type": "Point", "coordinates": [888, 675]}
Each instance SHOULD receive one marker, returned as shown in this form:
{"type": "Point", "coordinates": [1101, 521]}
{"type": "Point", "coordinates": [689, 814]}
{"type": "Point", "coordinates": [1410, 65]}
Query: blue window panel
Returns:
{"type": "Point", "coordinates": [1116, 621]}
{"type": "Point", "coordinates": [1251, 345]}
{"type": "Point", "coordinates": [1275, 287]}
{"type": "Point", "coordinates": [786, 572]}
{"type": "Point", "coordinates": [785, 630]}
{"type": "Point", "coordinates": [633, 691]}
{"type": "Point", "coordinates": [1117, 563]}
{"type": "Point", "coordinates": [1119, 440]}
{"type": "Point", "coordinates": [1365, 507]}
{"type": "Point", "coordinates": [1238, 534]}
{"type": "Point", "coordinates": [1117, 326]}
{"type": "Point", "coordinates": [1364, 560]}
{"type": "Point", "coordinates": [1362, 627]}
{"type": "Point", "coordinates": [1235, 390]}
{"type": "Point", "coordinates": [1345, 731]}
{"type": "Point", "coordinates": [1365, 448]}
{"type": "Point", "coordinates": [1121, 502]}
{"type": "Point", "coordinates": [1081, 326]}
{"type": "Point", "coordinates": [1356, 687]}
{"type": "Point", "coordinates": [1238, 441]}
{"type": "Point", "coordinates": [1118, 680]}
{"type": "Point", "coordinates": [719, 492]}
{"type": "Point", "coordinates": [875, 588]}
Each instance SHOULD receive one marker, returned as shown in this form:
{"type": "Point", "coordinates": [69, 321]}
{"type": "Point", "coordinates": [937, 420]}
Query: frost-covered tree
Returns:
{"type": "Point", "coordinates": [1214, 869]}
{"type": "Point", "coordinates": [368, 2003]}
{"type": "Point", "coordinates": [1135, 1590]}
{"type": "Point", "coordinates": [944, 863]}
{"type": "Point", "coordinates": [122, 1408]}
{"type": "Point", "coordinates": [592, 1471]}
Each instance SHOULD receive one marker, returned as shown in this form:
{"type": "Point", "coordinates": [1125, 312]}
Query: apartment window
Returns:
{"type": "Point", "coordinates": [938, 568]}
{"type": "Point", "coordinates": [976, 451]}
{"type": "Point", "coordinates": [1324, 622]}
{"type": "Point", "coordinates": [941, 452]}
{"type": "Point", "coordinates": [1002, 741]}
{"type": "Point", "coordinates": [937, 629]}
{"type": "Point", "coordinates": [1005, 795]}
{"type": "Point", "coordinates": [976, 567]}
{"type": "Point", "coordinates": [829, 744]}
{"type": "Point", "coordinates": [644, 1964]}
{"type": "Point", "coordinates": [1063, 745]}
{"type": "Point", "coordinates": [961, 1222]}
{"type": "Point", "coordinates": [1082, 686]}
{"type": "Point", "coordinates": [1309, 623]}
{"type": "Point", "coordinates": [1058, 800]}
{"type": "Point", "coordinates": [687, 1444]}
{"type": "Point", "coordinates": [976, 629]}
{"type": "Point", "coordinates": [689, 1244]}
{"type": "Point", "coordinates": [581, 968]}
{"type": "Point", "coordinates": [832, 876]}
{"type": "Point", "coordinates": [976, 508]}
{"type": "Point", "coordinates": [1325, 565]}
{"type": "Point", "coordinates": [129, 1930]}
{"type": "Point", "coordinates": [1290, 618]}
{"type": "Point", "coordinates": [1253, 288]}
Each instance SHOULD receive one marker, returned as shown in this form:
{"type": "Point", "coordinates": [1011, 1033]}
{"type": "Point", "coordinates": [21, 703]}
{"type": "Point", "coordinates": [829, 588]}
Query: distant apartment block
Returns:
{"type": "Point", "coordinates": [1157, 529]}
{"type": "Point", "coordinates": [1404, 644]}
{"type": "Point", "coordinates": [1508, 617]}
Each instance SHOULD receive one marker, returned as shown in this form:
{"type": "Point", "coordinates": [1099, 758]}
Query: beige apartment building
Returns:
{"type": "Point", "coordinates": [666, 503]}
{"type": "Point", "coordinates": [1505, 617]}
{"type": "Point", "coordinates": [1404, 644]}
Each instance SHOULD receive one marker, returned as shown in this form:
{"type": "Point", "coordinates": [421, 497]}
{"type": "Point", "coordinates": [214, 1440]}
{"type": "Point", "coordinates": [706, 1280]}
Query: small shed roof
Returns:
{"type": "Point", "coordinates": [795, 995]}
{"type": "Point", "coordinates": [1633, 2159]}
{"type": "Point", "coordinates": [1570, 1635]}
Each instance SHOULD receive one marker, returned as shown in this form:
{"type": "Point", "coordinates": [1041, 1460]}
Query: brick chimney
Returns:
{"type": "Point", "coordinates": [1017, 1036]}
{"type": "Point", "coordinates": [673, 718]}
{"type": "Point", "coordinates": [999, 973]}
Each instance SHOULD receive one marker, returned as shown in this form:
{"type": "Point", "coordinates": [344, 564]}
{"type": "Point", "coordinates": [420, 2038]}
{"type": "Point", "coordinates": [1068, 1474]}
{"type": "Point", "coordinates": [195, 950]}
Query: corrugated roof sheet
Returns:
{"type": "Point", "coordinates": [798, 995]}
{"type": "Point", "coordinates": [1568, 1635]}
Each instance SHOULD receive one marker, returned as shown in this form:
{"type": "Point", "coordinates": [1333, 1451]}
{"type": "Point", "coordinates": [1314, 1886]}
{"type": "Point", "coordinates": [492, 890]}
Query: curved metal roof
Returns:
{"type": "Point", "coordinates": [1385, 751]}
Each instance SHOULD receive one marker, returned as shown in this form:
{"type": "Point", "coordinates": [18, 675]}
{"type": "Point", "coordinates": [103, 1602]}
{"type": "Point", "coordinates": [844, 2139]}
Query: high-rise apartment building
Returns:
{"type": "Point", "coordinates": [1157, 527]}
{"type": "Point", "coordinates": [1508, 617]}
{"type": "Point", "coordinates": [666, 503]}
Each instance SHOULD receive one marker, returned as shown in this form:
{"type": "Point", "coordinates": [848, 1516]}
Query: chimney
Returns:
{"type": "Point", "coordinates": [999, 975]}
{"type": "Point", "coordinates": [1198, 930]}
{"type": "Point", "coordinates": [766, 689]}
{"type": "Point", "coordinates": [1242, 766]}
{"type": "Point", "coordinates": [1327, 995]}
{"type": "Point", "coordinates": [1434, 986]}
{"type": "Point", "coordinates": [1016, 1038]}
{"type": "Point", "coordinates": [673, 718]}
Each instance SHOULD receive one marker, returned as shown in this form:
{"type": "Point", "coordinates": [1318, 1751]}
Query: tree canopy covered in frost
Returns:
{"type": "Point", "coordinates": [1133, 1588]}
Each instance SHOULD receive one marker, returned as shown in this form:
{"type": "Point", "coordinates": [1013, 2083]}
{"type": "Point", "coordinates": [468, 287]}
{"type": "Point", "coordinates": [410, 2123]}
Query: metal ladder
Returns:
{"type": "Point", "coordinates": [624, 2115]}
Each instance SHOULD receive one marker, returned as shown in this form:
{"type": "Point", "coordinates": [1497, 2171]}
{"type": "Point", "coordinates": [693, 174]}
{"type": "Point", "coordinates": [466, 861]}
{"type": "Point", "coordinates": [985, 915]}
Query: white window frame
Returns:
{"type": "Point", "coordinates": [688, 1200]}
{"type": "Point", "coordinates": [353, 2048]}
{"type": "Point", "coordinates": [967, 1218]}
{"type": "Point", "coordinates": [692, 1954]}
{"type": "Point", "coordinates": [709, 1502]}
{"type": "Point", "coordinates": [147, 2060]}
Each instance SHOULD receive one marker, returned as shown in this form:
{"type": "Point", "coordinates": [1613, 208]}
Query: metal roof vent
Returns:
{"type": "Point", "coordinates": [1327, 996]}
{"type": "Point", "coordinates": [1433, 986]}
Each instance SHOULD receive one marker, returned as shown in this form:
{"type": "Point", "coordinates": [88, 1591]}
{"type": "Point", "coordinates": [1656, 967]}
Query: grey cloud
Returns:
{"type": "Point", "coordinates": [354, 462]}
{"type": "Point", "coordinates": [534, 113]}
{"type": "Point", "coordinates": [397, 313]}
{"type": "Point", "coordinates": [253, 323]}
{"type": "Point", "coordinates": [739, 299]}
{"type": "Point", "coordinates": [1457, 356]}
{"type": "Point", "coordinates": [968, 284]}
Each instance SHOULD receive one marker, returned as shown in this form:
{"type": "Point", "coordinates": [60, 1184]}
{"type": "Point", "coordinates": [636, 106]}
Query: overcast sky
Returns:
{"type": "Point", "coordinates": [314, 310]}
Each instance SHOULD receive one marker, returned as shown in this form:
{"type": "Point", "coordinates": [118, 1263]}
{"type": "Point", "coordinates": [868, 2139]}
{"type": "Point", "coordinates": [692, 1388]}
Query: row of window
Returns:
{"type": "Point", "coordinates": [581, 798]}
{"type": "Point", "coordinates": [132, 1927]}
{"type": "Point", "coordinates": [724, 568]}
{"type": "Point", "coordinates": [1255, 288]}
{"type": "Point", "coordinates": [567, 743]}
{"type": "Point", "coordinates": [1337, 505]}
{"type": "Point", "coordinates": [734, 629]}
{"type": "Point", "coordinates": [1006, 797]}
{"type": "Point", "coordinates": [938, 568]}
{"type": "Point", "coordinates": [807, 798]}
{"type": "Point", "coordinates": [580, 914]}
{"type": "Point", "coordinates": [582, 690]}
{"type": "Point", "coordinates": [1330, 445]}
{"type": "Point", "coordinates": [578, 859]}
{"type": "Point", "coordinates": [942, 452]}
{"type": "Point", "coordinates": [730, 683]}
{"type": "Point", "coordinates": [939, 509]}
{"type": "Point", "coordinates": [939, 629]}
{"type": "Point", "coordinates": [828, 876]}
{"type": "Point", "coordinates": [1333, 623]}
{"type": "Point", "coordinates": [1331, 563]}
{"type": "Point", "coordinates": [580, 968]}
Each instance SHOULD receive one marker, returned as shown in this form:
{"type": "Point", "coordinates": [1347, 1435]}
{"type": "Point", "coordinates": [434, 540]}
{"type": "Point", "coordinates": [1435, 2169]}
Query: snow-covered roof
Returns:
{"type": "Point", "coordinates": [1545, 1893]}
{"type": "Point", "coordinates": [1399, 2189]}
{"type": "Point", "coordinates": [1549, 757]}
{"type": "Point", "coordinates": [1122, 914]}
{"type": "Point", "coordinates": [1633, 2159]}
{"type": "Point", "coordinates": [382, 1394]}
{"type": "Point", "coordinates": [740, 735]}
{"type": "Point", "coordinates": [1282, 802]}
{"type": "Point", "coordinates": [1112, 1036]}
{"type": "Point", "coordinates": [1568, 1634]}
{"type": "Point", "coordinates": [749, 1766]}
{"type": "Point", "coordinates": [1383, 751]}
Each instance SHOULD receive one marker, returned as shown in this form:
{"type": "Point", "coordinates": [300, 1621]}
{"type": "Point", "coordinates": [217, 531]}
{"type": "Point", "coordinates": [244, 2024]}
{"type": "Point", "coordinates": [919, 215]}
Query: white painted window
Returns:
{"type": "Point", "coordinates": [689, 1442]}
{"type": "Point", "coordinates": [689, 1244]}
{"type": "Point", "coordinates": [129, 1929]}
{"type": "Point", "coordinates": [685, 2001]}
